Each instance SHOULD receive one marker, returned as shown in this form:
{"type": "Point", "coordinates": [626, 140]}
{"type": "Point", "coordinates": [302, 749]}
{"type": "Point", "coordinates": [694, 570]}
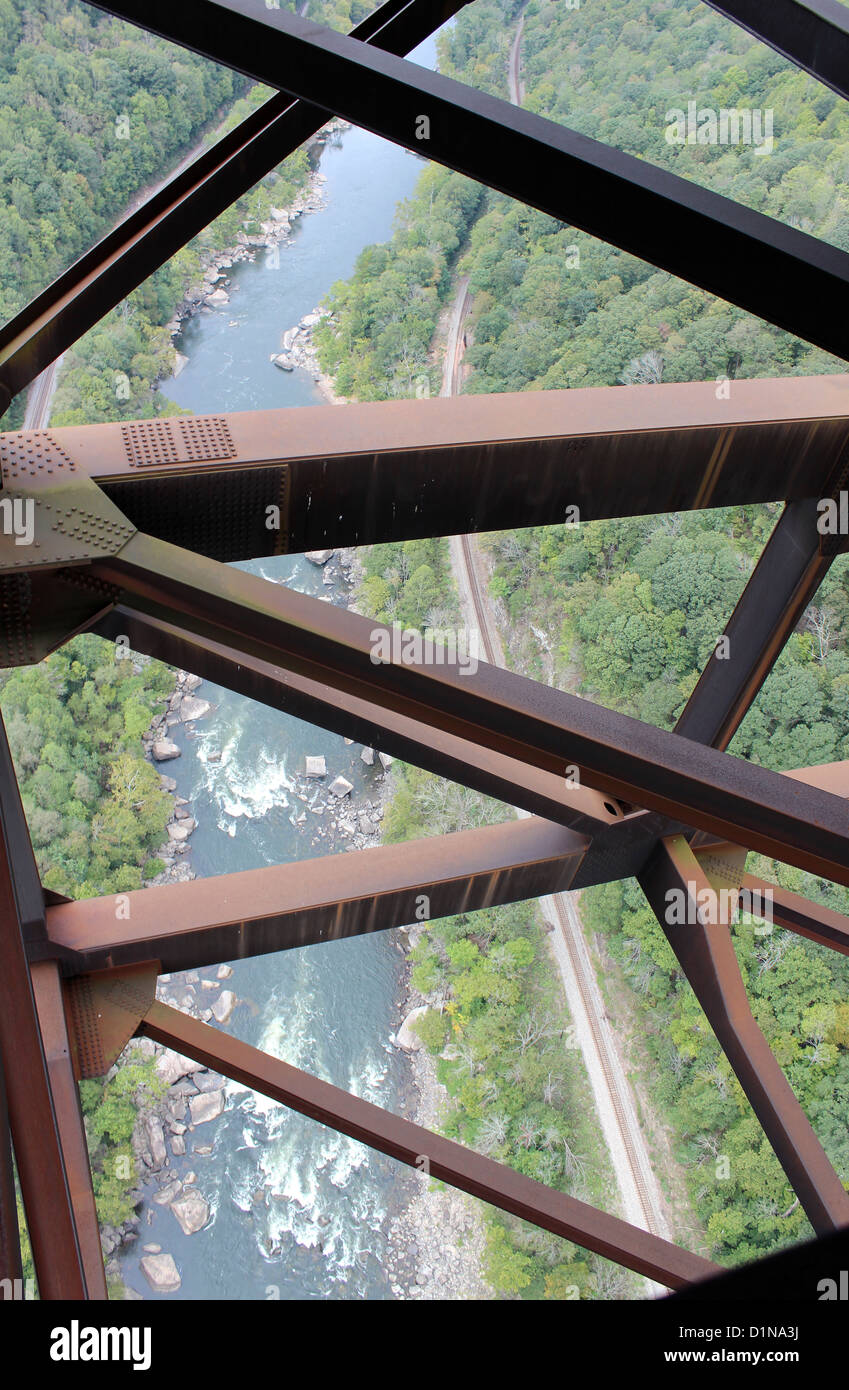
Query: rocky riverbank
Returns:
{"type": "Point", "coordinates": [212, 291]}
{"type": "Point", "coordinates": [437, 1240]}
{"type": "Point", "coordinates": [184, 708]}
{"type": "Point", "coordinates": [298, 351]}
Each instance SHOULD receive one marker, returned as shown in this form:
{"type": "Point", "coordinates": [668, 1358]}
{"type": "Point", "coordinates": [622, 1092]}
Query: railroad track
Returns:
{"type": "Point", "coordinates": [641, 1197]}
{"type": "Point", "coordinates": [563, 915]}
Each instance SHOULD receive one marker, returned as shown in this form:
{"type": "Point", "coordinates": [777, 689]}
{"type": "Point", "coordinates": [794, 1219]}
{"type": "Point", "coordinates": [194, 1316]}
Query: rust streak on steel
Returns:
{"type": "Point", "coordinates": [468, 464]}
{"type": "Point", "coordinates": [10, 1236]}
{"type": "Point", "coordinates": [448, 1161]}
{"type": "Point", "coordinates": [542, 793]}
{"type": "Point", "coordinates": [50, 1004]}
{"type": "Point", "coordinates": [706, 955]}
{"type": "Point", "coordinates": [796, 913]}
{"type": "Point", "coordinates": [185, 925]}
{"type": "Point", "coordinates": [521, 718]}
{"type": "Point", "coordinates": [33, 1111]}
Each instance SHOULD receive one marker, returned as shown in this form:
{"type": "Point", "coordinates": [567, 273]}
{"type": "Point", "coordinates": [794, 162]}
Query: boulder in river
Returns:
{"type": "Point", "coordinates": [405, 1037]}
{"type": "Point", "coordinates": [192, 707]}
{"type": "Point", "coordinates": [156, 1139]}
{"type": "Point", "coordinates": [208, 1105]}
{"type": "Point", "coordinates": [367, 756]}
{"type": "Point", "coordinates": [170, 1067]}
{"type": "Point", "coordinates": [224, 1005]}
{"type": "Point", "coordinates": [163, 750]}
{"type": "Point", "coordinates": [191, 1210]}
{"type": "Point", "coordinates": [316, 767]}
{"type": "Point", "coordinates": [318, 557]}
{"type": "Point", "coordinates": [340, 786]}
{"type": "Point", "coordinates": [161, 1273]}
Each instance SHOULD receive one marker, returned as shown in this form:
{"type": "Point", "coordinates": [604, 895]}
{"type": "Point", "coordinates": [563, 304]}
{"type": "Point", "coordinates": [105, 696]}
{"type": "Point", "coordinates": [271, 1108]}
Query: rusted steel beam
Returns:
{"type": "Point", "coordinates": [813, 34]}
{"type": "Point", "coordinates": [498, 709]}
{"type": "Point", "coordinates": [821, 924]}
{"type": "Point", "coordinates": [786, 578]}
{"type": "Point", "coordinates": [706, 955]}
{"type": "Point", "coordinates": [184, 925]}
{"type": "Point", "coordinates": [748, 259]}
{"type": "Point", "coordinates": [467, 464]}
{"type": "Point", "coordinates": [47, 988]}
{"type": "Point", "coordinates": [408, 1143]}
{"type": "Point", "coordinates": [10, 1236]}
{"type": "Point", "coordinates": [34, 1113]}
{"type": "Point", "coordinates": [183, 207]}
{"type": "Point", "coordinates": [542, 793]}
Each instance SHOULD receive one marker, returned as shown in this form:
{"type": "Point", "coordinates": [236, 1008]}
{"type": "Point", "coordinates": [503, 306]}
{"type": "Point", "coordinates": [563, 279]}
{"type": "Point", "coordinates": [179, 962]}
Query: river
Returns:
{"type": "Point", "coordinates": [297, 1211]}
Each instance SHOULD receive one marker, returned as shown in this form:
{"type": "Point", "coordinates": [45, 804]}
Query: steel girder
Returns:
{"type": "Point", "coordinates": [813, 34]}
{"type": "Point", "coordinates": [409, 1143]}
{"type": "Point", "coordinates": [187, 203]}
{"type": "Point", "coordinates": [161, 592]}
{"type": "Point", "coordinates": [206, 482]}
{"type": "Point", "coordinates": [783, 275]}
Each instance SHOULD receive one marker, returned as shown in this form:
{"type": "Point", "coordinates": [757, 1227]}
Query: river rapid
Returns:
{"type": "Point", "coordinates": [297, 1211]}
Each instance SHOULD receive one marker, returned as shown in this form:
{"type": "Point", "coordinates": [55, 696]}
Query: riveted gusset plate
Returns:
{"type": "Point", "coordinates": [104, 1011]}
{"type": "Point", "coordinates": [41, 610]}
{"type": "Point", "coordinates": [51, 513]}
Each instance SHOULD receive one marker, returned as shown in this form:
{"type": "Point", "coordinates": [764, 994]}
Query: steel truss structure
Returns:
{"type": "Point", "coordinates": [135, 524]}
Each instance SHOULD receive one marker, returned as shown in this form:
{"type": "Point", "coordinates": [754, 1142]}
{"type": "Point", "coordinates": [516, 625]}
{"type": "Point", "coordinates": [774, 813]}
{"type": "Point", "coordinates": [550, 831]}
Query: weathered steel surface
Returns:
{"type": "Point", "coordinates": [184, 925]}
{"type": "Point", "coordinates": [783, 275]}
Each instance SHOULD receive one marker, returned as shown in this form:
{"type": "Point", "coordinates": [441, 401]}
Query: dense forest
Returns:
{"type": "Point", "coordinates": [622, 612]}
{"type": "Point", "coordinates": [627, 612]}
{"type": "Point", "coordinates": [92, 112]}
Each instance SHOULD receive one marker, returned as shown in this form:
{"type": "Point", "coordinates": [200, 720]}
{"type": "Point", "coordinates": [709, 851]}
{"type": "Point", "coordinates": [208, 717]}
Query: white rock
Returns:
{"type": "Point", "coordinates": [163, 750]}
{"type": "Point", "coordinates": [219, 297]}
{"type": "Point", "coordinates": [224, 1005]}
{"type": "Point", "coordinates": [161, 1273]}
{"type": "Point", "coordinates": [316, 767]}
{"type": "Point", "coordinates": [193, 708]}
{"type": "Point", "coordinates": [319, 557]}
{"type": "Point", "coordinates": [206, 1106]}
{"type": "Point", "coordinates": [192, 1211]}
{"type": "Point", "coordinates": [156, 1138]}
{"type": "Point", "coordinates": [340, 787]}
{"type": "Point", "coordinates": [405, 1037]}
{"type": "Point", "coordinates": [367, 756]}
{"type": "Point", "coordinates": [386, 760]}
{"type": "Point", "coordinates": [178, 831]}
{"type": "Point", "coordinates": [171, 1066]}
{"type": "Point", "coordinates": [224, 972]}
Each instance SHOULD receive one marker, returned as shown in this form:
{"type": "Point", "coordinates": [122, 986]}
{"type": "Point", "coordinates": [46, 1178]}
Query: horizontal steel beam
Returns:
{"type": "Point", "coordinates": [813, 34]}
{"type": "Point", "coordinates": [192, 199]}
{"type": "Point", "coordinates": [706, 954]}
{"type": "Point", "coordinates": [185, 925]}
{"type": "Point", "coordinates": [498, 709]}
{"type": "Point", "coordinates": [463, 465]}
{"type": "Point", "coordinates": [796, 913]}
{"type": "Point", "coordinates": [448, 1161]}
{"type": "Point", "coordinates": [756, 262]}
{"type": "Point", "coordinates": [506, 779]}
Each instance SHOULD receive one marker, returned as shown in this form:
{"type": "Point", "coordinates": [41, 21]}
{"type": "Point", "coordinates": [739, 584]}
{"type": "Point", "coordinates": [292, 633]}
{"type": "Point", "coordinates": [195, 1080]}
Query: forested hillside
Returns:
{"type": "Point", "coordinates": [627, 612]}
{"type": "Point", "coordinates": [92, 112]}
